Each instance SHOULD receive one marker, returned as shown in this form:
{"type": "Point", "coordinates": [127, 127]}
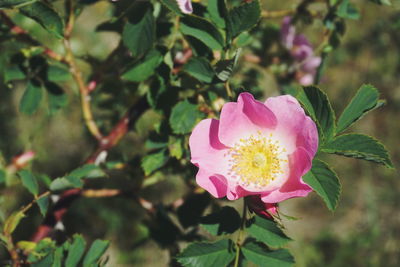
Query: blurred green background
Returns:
{"type": "Point", "coordinates": [363, 231]}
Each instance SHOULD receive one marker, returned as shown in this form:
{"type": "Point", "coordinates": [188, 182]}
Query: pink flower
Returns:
{"type": "Point", "coordinates": [255, 149]}
{"type": "Point", "coordinates": [23, 159]}
{"type": "Point", "coordinates": [305, 62]}
{"type": "Point", "coordinates": [185, 6]}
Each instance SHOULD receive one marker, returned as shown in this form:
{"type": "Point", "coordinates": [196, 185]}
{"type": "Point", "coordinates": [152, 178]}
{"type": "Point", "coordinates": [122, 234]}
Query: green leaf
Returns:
{"type": "Point", "coordinates": [30, 101]}
{"type": "Point", "coordinates": [46, 16]}
{"type": "Point", "coordinates": [75, 251]}
{"type": "Point", "coordinates": [243, 18]}
{"type": "Point", "coordinates": [58, 256]}
{"type": "Point", "coordinates": [184, 117]}
{"type": "Point", "coordinates": [97, 250]}
{"type": "Point", "coordinates": [325, 182]}
{"type": "Point", "coordinates": [58, 74]}
{"type": "Point", "coordinates": [203, 254]}
{"type": "Point", "coordinates": [43, 204]}
{"type": "Point", "coordinates": [57, 99]}
{"type": "Point", "coordinates": [365, 100]}
{"type": "Point", "coordinates": [12, 222]}
{"type": "Point", "coordinates": [12, 73]}
{"type": "Point", "coordinates": [224, 68]}
{"type": "Point", "coordinates": [359, 146]}
{"type": "Point", "coordinates": [142, 70]}
{"type": "Point", "coordinates": [317, 104]}
{"type": "Point", "coordinates": [63, 183]}
{"type": "Point", "coordinates": [29, 181]}
{"type": "Point", "coordinates": [153, 161]}
{"type": "Point", "coordinates": [225, 221]}
{"type": "Point", "coordinates": [88, 171]}
{"type": "Point", "coordinates": [218, 12]}
{"type": "Point", "coordinates": [139, 33]}
{"type": "Point", "coordinates": [347, 10]}
{"type": "Point", "coordinates": [175, 147]}
{"type": "Point", "coordinates": [200, 69]}
{"type": "Point", "coordinates": [268, 232]}
{"type": "Point", "coordinates": [264, 257]}
{"type": "Point", "coordinates": [202, 30]}
{"type": "Point", "coordinates": [15, 3]}
{"type": "Point", "coordinates": [172, 5]}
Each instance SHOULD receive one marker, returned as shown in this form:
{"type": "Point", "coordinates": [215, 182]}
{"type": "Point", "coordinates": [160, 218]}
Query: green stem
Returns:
{"type": "Point", "coordinates": [239, 238]}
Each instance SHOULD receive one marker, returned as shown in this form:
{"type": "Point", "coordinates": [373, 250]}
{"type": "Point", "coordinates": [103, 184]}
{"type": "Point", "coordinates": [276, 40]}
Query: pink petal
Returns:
{"type": "Point", "coordinates": [293, 121]}
{"type": "Point", "coordinates": [185, 6]}
{"type": "Point", "coordinates": [215, 184]}
{"type": "Point", "coordinates": [207, 153]}
{"type": "Point", "coordinates": [247, 116]}
{"type": "Point", "coordinates": [300, 163]}
{"type": "Point", "coordinates": [206, 150]}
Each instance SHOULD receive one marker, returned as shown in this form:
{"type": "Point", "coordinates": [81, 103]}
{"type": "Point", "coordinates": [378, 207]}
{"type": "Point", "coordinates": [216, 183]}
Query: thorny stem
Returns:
{"type": "Point", "coordinates": [240, 233]}
{"type": "Point", "coordinates": [77, 75]}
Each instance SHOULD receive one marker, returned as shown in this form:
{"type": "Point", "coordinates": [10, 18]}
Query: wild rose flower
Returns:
{"type": "Point", "coordinates": [185, 6]}
{"type": "Point", "coordinates": [306, 63]}
{"type": "Point", "coordinates": [255, 148]}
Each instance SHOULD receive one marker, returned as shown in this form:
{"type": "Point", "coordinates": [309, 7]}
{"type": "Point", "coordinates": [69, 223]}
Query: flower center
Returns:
{"type": "Point", "coordinates": [256, 161]}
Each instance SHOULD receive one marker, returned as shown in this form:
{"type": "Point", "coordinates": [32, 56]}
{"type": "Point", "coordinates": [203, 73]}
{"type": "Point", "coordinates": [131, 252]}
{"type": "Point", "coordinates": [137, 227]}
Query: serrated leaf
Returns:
{"type": "Point", "coordinates": [153, 161]}
{"type": "Point", "coordinates": [203, 254]}
{"type": "Point", "coordinates": [317, 104]}
{"type": "Point", "coordinates": [264, 257]}
{"type": "Point", "coordinates": [43, 204]}
{"type": "Point", "coordinates": [242, 18]}
{"type": "Point", "coordinates": [202, 30]}
{"type": "Point", "coordinates": [142, 70]}
{"type": "Point", "coordinates": [63, 183]}
{"type": "Point", "coordinates": [29, 181]}
{"type": "Point", "coordinates": [184, 117]}
{"type": "Point", "coordinates": [46, 16]}
{"type": "Point", "coordinates": [225, 221]}
{"type": "Point", "coordinates": [88, 171]}
{"type": "Point", "coordinates": [218, 12]}
{"type": "Point", "coordinates": [75, 251]}
{"type": "Point", "coordinates": [15, 3]}
{"type": "Point", "coordinates": [200, 69]}
{"type": "Point", "coordinates": [365, 100]}
{"type": "Point", "coordinates": [325, 183]}
{"type": "Point", "coordinates": [268, 232]}
{"type": "Point", "coordinates": [359, 146]}
{"type": "Point", "coordinates": [30, 100]}
{"type": "Point", "coordinates": [139, 32]}
{"type": "Point", "coordinates": [97, 250]}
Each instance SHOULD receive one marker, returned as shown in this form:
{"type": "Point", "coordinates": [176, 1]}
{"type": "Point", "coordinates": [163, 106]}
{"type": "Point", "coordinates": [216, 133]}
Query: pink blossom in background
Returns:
{"type": "Point", "coordinates": [185, 6]}
{"type": "Point", "coordinates": [23, 159]}
{"type": "Point", "coordinates": [255, 149]}
{"type": "Point", "coordinates": [306, 63]}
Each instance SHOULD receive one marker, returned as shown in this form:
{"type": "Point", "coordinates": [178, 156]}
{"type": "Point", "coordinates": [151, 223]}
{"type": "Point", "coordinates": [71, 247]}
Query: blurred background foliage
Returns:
{"type": "Point", "coordinates": [363, 231]}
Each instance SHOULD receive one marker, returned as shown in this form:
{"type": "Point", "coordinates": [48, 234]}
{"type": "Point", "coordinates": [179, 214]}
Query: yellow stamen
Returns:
{"type": "Point", "coordinates": [256, 160]}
